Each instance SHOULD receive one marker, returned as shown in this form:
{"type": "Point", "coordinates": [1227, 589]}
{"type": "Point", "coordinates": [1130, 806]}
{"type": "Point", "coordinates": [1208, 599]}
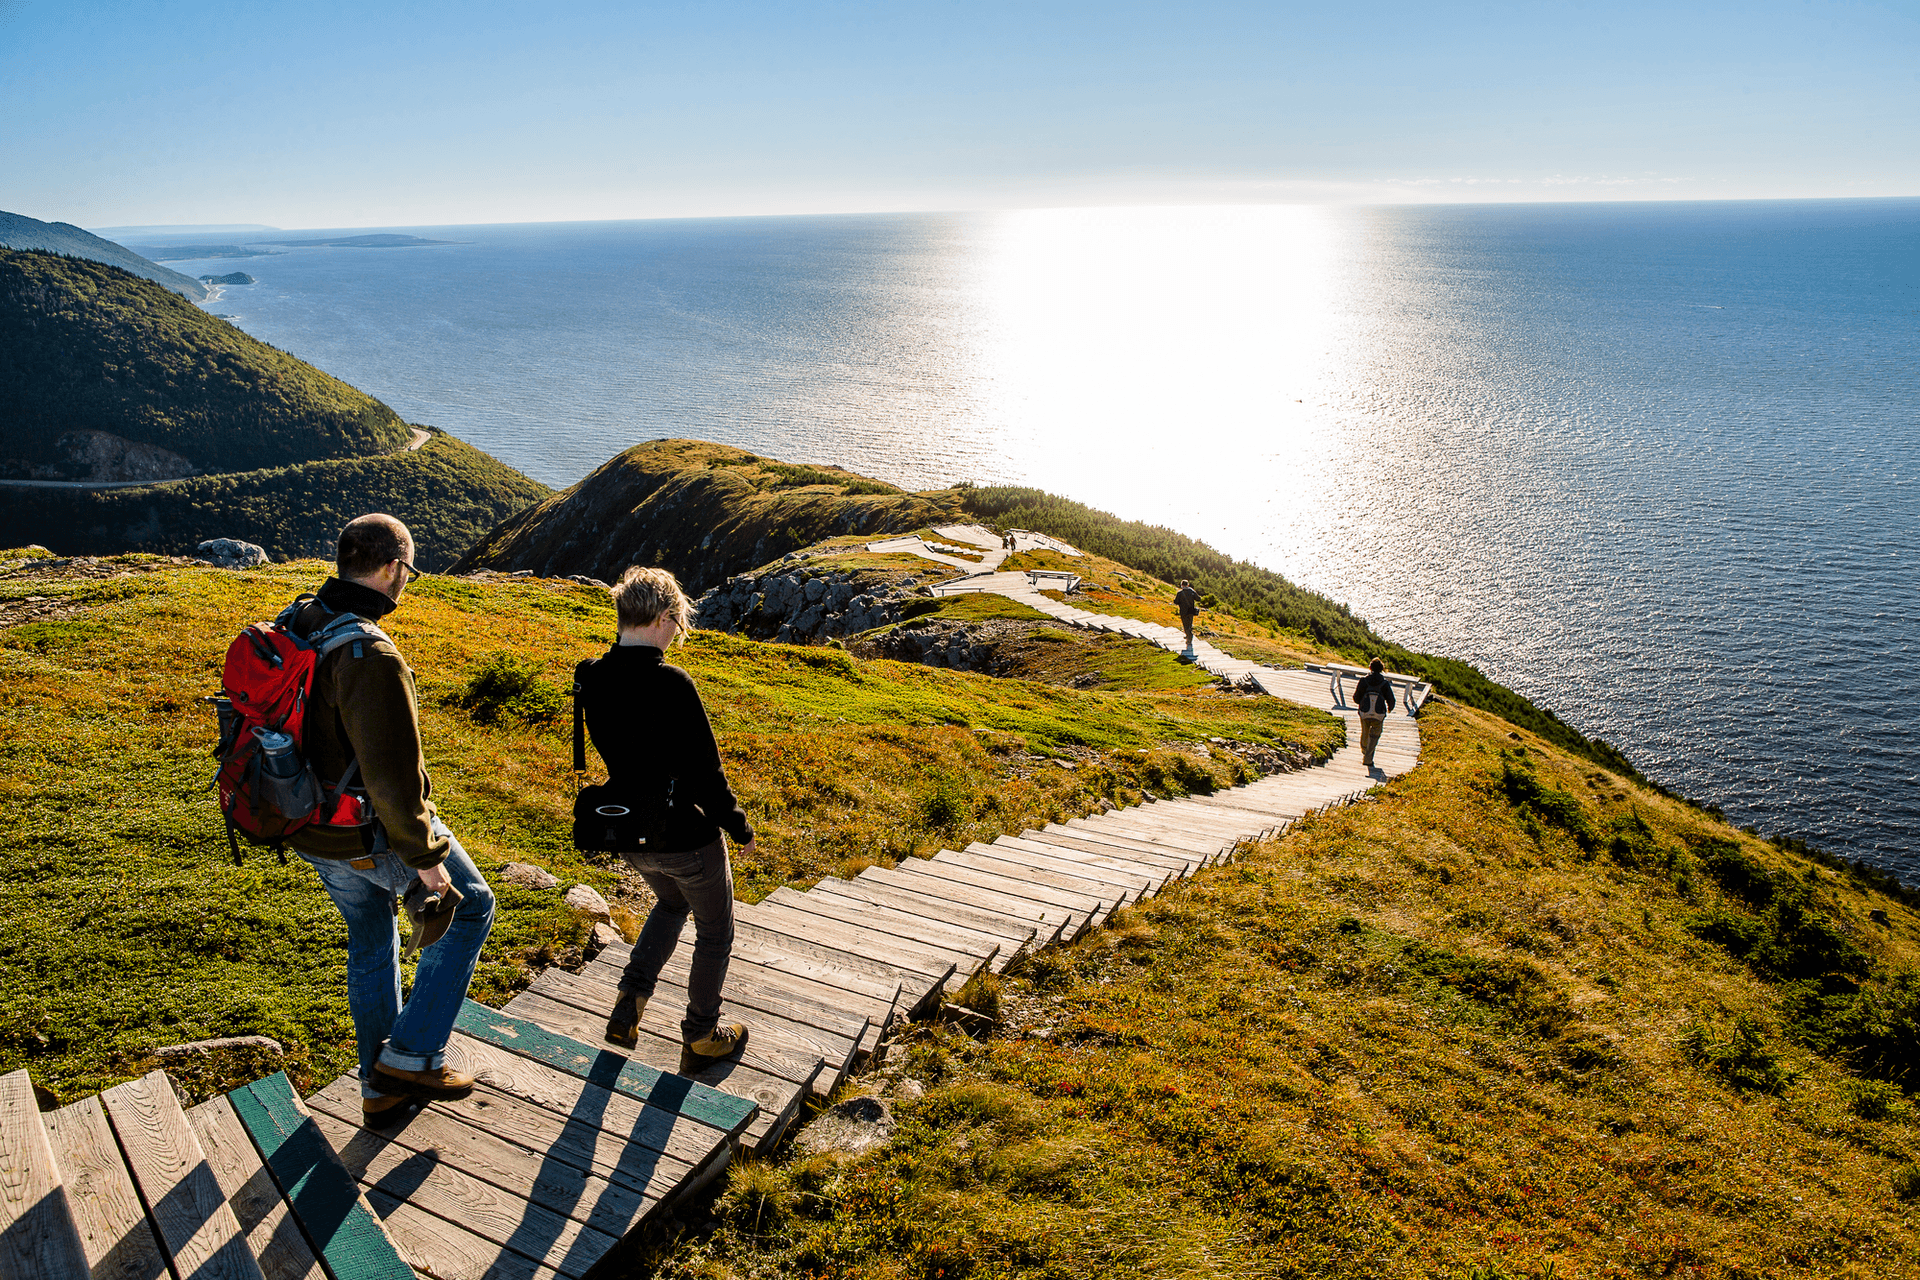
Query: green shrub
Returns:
{"type": "Point", "coordinates": [1743, 1060]}
{"type": "Point", "coordinates": [1558, 808]}
{"type": "Point", "coordinates": [758, 1198]}
{"type": "Point", "coordinates": [1906, 1181]}
{"type": "Point", "coordinates": [506, 689]}
{"type": "Point", "coordinates": [948, 805]}
{"type": "Point", "coordinates": [1872, 1099]}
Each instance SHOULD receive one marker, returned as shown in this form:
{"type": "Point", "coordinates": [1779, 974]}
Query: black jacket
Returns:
{"type": "Point", "coordinates": [1187, 601]}
{"type": "Point", "coordinates": [647, 722]}
{"type": "Point", "coordinates": [1373, 694]}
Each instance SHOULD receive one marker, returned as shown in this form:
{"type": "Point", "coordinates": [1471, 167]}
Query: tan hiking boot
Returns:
{"type": "Point", "coordinates": [443, 1084]}
{"type": "Point", "coordinates": [386, 1110]}
{"type": "Point", "coordinates": [623, 1024]}
{"type": "Point", "coordinates": [724, 1041]}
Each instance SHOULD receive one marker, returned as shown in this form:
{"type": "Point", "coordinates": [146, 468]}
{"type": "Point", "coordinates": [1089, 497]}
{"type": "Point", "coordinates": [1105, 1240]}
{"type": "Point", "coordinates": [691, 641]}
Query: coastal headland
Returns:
{"type": "Point", "coordinates": [1516, 1012]}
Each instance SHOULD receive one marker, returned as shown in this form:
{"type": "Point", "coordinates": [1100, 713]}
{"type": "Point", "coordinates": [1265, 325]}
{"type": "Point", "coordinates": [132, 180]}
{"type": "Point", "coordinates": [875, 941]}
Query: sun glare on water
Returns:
{"type": "Point", "coordinates": [1159, 360]}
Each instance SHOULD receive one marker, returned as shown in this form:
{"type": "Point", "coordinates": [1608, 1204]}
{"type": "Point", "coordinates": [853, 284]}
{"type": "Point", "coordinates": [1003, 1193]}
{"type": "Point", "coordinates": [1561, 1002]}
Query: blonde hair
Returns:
{"type": "Point", "coordinates": [644, 594]}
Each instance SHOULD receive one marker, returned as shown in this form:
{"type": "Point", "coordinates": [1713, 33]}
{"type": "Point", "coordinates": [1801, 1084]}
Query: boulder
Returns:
{"type": "Point", "coordinates": [528, 876]}
{"type": "Point", "coordinates": [201, 1048]}
{"type": "Point", "coordinates": [605, 935]}
{"type": "Point", "coordinates": [230, 553]}
{"type": "Point", "coordinates": [586, 900]}
{"type": "Point", "coordinates": [853, 1127]}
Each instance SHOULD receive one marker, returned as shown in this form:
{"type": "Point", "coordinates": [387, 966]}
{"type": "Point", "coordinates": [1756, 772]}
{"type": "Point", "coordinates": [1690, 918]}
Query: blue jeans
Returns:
{"type": "Point", "coordinates": [412, 1037]}
{"type": "Point", "coordinates": [700, 884]}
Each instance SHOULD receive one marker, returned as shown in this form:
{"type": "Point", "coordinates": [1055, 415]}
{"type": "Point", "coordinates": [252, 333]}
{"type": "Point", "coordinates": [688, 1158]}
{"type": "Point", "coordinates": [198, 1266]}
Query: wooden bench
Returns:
{"type": "Point", "coordinates": [1067, 580]}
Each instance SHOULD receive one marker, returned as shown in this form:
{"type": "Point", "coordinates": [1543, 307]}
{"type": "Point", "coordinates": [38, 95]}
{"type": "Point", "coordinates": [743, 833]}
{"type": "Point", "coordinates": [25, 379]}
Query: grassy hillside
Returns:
{"type": "Point", "coordinates": [448, 493]}
{"type": "Point", "coordinates": [18, 231]}
{"type": "Point", "coordinates": [89, 348]}
{"type": "Point", "coordinates": [703, 510]}
{"type": "Point", "coordinates": [1511, 1016]}
{"type": "Point", "coordinates": [1265, 597]}
{"type": "Point", "coordinates": [124, 926]}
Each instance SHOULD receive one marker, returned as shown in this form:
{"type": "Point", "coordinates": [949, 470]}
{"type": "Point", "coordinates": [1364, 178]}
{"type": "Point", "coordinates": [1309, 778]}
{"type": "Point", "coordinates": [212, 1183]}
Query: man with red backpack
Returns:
{"type": "Point", "coordinates": [362, 722]}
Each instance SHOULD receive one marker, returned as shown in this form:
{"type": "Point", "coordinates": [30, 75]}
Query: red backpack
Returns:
{"type": "Point", "coordinates": [268, 790]}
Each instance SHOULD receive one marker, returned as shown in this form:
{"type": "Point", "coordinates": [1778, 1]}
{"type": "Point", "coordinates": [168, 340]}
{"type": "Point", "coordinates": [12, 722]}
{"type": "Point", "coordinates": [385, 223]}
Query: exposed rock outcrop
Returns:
{"type": "Point", "coordinates": [793, 604]}
{"type": "Point", "coordinates": [230, 553]}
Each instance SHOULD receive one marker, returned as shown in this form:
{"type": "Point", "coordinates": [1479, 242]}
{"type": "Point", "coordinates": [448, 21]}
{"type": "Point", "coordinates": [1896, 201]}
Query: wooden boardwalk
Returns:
{"type": "Point", "coordinates": [569, 1145]}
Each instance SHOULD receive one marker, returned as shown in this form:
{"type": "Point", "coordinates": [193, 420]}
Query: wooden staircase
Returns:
{"type": "Point", "coordinates": [568, 1145]}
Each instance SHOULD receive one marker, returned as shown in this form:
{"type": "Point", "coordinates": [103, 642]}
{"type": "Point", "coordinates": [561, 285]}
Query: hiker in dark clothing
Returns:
{"type": "Point", "coordinates": [1373, 696]}
{"type": "Point", "coordinates": [1187, 601]}
{"type": "Point", "coordinates": [647, 722]}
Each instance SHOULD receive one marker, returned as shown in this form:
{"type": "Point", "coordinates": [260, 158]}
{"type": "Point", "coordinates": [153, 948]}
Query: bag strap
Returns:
{"type": "Point", "coordinates": [579, 725]}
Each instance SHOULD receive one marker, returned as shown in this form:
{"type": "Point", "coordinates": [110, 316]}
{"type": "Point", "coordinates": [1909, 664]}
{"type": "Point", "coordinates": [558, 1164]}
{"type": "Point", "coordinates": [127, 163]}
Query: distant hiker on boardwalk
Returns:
{"type": "Point", "coordinates": [362, 718]}
{"type": "Point", "coordinates": [647, 722]}
{"type": "Point", "coordinates": [1373, 696]}
{"type": "Point", "coordinates": [1187, 601]}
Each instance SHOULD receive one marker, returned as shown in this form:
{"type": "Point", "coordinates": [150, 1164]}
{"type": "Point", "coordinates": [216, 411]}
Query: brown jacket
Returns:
{"type": "Point", "coordinates": [363, 707]}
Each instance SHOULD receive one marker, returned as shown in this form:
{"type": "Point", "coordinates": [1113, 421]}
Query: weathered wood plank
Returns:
{"type": "Point", "coordinates": [825, 964]}
{"type": "Point", "coordinates": [1014, 862]}
{"type": "Point", "coordinates": [862, 917]}
{"type": "Point", "coordinates": [854, 907]}
{"type": "Point", "coordinates": [429, 1180]}
{"type": "Point", "coordinates": [446, 1251]}
{"type": "Point", "coordinates": [1083, 910]}
{"type": "Point", "coordinates": [1144, 880]}
{"type": "Point", "coordinates": [767, 1030]}
{"type": "Point", "coordinates": [880, 1009]}
{"type": "Point", "coordinates": [272, 1234]}
{"type": "Point", "coordinates": [613, 1195]}
{"type": "Point", "coordinates": [1043, 916]}
{"type": "Point", "coordinates": [183, 1198]}
{"type": "Point", "coordinates": [1117, 824]}
{"type": "Point", "coordinates": [324, 1197]}
{"type": "Point", "coordinates": [934, 962]}
{"type": "Point", "coordinates": [674, 1093]}
{"type": "Point", "coordinates": [756, 987]}
{"type": "Point", "coordinates": [1180, 862]}
{"type": "Point", "coordinates": [1016, 935]}
{"type": "Point", "coordinates": [782, 949]}
{"type": "Point", "coordinates": [756, 1064]}
{"type": "Point", "coordinates": [78, 1177]}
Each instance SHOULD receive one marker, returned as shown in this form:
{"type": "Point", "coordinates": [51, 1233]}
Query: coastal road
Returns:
{"type": "Point", "coordinates": [419, 437]}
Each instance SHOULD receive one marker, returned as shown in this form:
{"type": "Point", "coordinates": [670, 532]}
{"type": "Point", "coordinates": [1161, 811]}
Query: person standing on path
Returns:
{"type": "Point", "coordinates": [1187, 601]}
{"type": "Point", "coordinates": [362, 714]}
{"type": "Point", "coordinates": [647, 722]}
{"type": "Point", "coordinates": [1373, 696]}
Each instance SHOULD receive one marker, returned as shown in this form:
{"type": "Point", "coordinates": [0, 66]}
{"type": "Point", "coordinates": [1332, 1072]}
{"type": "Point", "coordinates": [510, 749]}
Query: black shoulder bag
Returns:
{"type": "Point", "coordinates": [607, 819]}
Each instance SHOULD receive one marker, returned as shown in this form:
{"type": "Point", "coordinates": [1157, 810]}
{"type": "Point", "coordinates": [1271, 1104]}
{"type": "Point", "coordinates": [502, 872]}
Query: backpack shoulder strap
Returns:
{"type": "Point", "coordinates": [579, 718]}
{"type": "Point", "coordinates": [344, 628]}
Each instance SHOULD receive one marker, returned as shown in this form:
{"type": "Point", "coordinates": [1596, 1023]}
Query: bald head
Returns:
{"type": "Point", "coordinates": [369, 544]}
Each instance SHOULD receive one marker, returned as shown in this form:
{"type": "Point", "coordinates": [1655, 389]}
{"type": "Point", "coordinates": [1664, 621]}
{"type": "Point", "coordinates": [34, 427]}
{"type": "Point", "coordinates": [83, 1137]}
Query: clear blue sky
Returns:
{"type": "Point", "coordinates": [344, 113]}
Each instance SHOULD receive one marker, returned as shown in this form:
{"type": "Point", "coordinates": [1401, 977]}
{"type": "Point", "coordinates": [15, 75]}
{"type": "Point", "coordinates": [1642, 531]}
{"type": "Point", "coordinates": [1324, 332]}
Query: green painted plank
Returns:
{"type": "Point", "coordinates": [656, 1088]}
{"type": "Point", "coordinates": [324, 1197]}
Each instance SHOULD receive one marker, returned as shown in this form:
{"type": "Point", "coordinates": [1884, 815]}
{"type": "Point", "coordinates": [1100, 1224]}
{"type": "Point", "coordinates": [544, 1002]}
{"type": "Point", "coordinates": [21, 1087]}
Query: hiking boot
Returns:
{"type": "Point", "coordinates": [385, 1111]}
{"type": "Point", "coordinates": [623, 1024]}
{"type": "Point", "coordinates": [442, 1084]}
{"type": "Point", "coordinates": [722, 1042]}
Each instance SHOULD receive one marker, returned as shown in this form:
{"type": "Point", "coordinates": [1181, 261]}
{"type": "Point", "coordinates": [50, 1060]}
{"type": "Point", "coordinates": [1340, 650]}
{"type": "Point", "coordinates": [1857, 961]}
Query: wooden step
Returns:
{"type": "Point", "coordinates": [833, 1009]}
{"type": "Point", "coordinates": [1016, 937]}
{"type": "Point", "coordinates": [1004, 950]}
{"type": "Point", "coordinates": [113, 1223]}
{"type": "Point", "coordinates": [1084, 911]}
{"type": "Point", "coordinates": [184, 1202]}
{"type": "Point", "coordinates": [1051, 924]}
{"type": "Point", "coordinates": [325, 1201]}
{"type": "Point", "coordinates": [39, 1234]}
{"type": "Point", "coordinates": [829, 965]}
{"type": "Point", "coordinates": [770, 1080]}
{"type": "Point", "coordinates": [1120, 846]}
{"type": "Point", "coordinates": [1039, 870]}
{"type": "Point", "coordinates": [278, 1244]}
{"type": "Point", "coordinates": [595, 992]}
{"type": "Point", "coordinates": [1106, 866]}
{"type": "Point", "coordinates": [972, 951]}
{"type": "Point", "coordinates": [1114, 825]}
{"type": "Point", "coordinates": [929, 961]}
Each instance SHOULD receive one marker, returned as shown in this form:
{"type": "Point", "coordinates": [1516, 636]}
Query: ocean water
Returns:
{"type": "Point", "coordinates": [1652, 465]}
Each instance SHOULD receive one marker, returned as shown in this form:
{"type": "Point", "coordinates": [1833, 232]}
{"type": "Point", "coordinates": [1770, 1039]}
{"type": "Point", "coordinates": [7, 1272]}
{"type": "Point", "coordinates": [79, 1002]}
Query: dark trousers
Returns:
{"type": "Point", "coordinates": [1186, 624]}
{"type": "Point", "coordinates": [699, 884]}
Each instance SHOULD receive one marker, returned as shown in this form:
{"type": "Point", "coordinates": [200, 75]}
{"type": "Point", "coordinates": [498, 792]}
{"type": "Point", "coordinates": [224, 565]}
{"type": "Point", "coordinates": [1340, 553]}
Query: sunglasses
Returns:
{"type": "Point", "coordinates": [414, 575]}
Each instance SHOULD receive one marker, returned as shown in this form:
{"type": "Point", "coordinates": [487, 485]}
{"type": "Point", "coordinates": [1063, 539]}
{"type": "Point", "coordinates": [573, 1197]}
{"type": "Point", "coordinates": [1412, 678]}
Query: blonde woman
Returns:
{"type": "Point", "coordinates": [647, 722]}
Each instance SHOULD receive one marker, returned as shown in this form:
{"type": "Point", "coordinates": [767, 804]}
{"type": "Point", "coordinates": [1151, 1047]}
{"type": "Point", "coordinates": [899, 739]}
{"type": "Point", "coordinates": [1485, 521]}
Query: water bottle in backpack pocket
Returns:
{"type": "Point", "coordinates": [285, 779]}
